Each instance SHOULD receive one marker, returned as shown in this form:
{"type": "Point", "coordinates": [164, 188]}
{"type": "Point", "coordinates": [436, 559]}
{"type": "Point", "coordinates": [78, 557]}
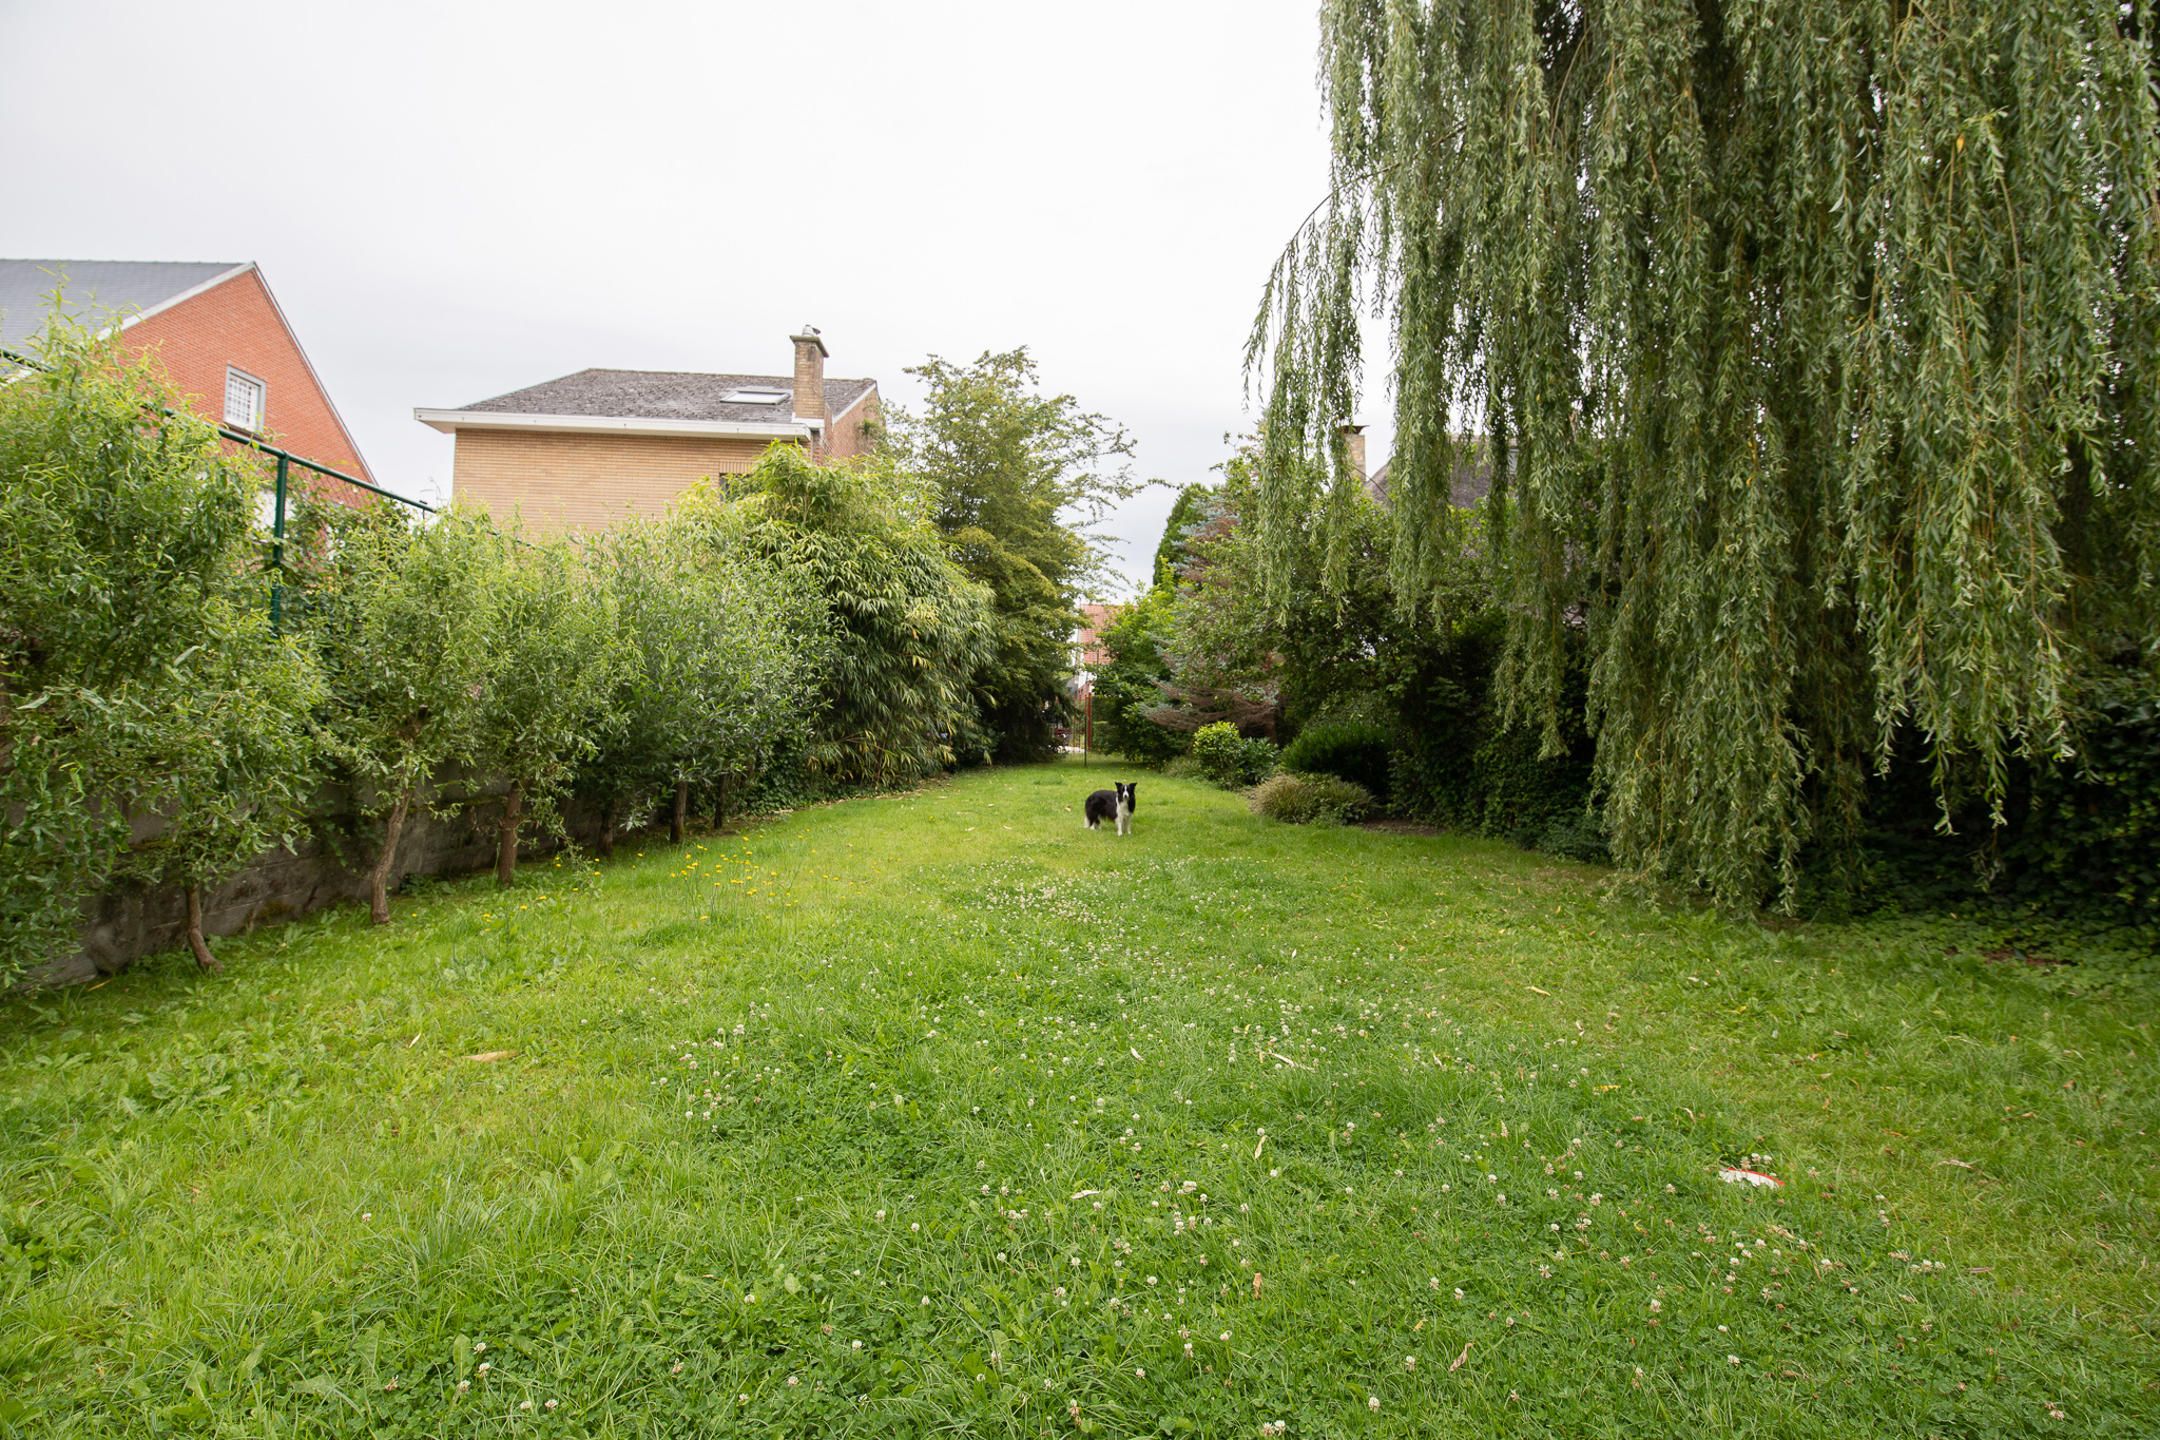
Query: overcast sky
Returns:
{"type": "Point", "coordinates": [456, 200]}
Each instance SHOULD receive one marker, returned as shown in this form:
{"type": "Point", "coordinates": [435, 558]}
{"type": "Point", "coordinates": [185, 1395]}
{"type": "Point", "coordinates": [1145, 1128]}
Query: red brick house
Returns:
{"type": "Point", "coordinates": [586, 450]}
{"type": "Point", "coordinates": [214, 327]}
{"type": "Point", "coordinates": [1088, 652]}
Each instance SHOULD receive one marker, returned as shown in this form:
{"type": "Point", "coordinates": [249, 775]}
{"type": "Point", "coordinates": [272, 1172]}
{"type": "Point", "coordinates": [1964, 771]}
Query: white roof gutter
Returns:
{"type": "Point", "coordinates": [449, 422]}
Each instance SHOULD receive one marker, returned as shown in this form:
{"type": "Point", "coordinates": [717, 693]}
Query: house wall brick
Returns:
{"type": "Point", "coordinates": [236, 323]}
{"type": "Point", "coordinates": [851, 433]}
{"type": "Point", "coordinates": [573, 481]}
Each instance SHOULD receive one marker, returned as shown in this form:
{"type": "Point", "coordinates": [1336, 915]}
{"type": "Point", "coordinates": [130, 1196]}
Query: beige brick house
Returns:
{"type": "Point", "coordinates": [582, 452]}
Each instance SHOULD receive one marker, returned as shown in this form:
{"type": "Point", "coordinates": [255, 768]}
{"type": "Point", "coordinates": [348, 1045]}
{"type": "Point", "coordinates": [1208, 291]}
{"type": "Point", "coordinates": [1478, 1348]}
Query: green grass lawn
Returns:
{"type": "Point", "coordinates": [938, 1114]}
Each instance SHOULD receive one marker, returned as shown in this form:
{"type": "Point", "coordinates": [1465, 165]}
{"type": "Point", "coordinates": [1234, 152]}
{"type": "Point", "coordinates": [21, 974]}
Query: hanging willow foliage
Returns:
{"type": "Point", "coordinates": [1817, 343]}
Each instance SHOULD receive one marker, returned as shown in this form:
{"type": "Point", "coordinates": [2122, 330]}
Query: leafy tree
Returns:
{"type": "Point", "coordinates": [399, 614]}
{"type": "Point", "coordinates": [909, 630]}
{"type": "Point", "coordinates": [133, 649]}
{"type": "Point", "coordinates": [1020, 475]}
{"type": "Point", "coordinates": [1818, 347]}
{"type": "Point", "coordinates": [726, 655]}
{"type": "Point", "coordinates": [1274, 650]}
{"type": "Point", "coordinates": [1191, 514]}
{"type": "Point", "coordinates": [238, 760]}
{"type": "Point", "coordinates": [552, 661]}
{"type": "Point", "coordinates": [1129, 686]}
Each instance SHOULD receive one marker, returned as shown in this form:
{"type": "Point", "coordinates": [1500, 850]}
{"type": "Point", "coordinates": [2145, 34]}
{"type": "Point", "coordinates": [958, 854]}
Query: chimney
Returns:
{"type": "Point", "coordinates": [810, 355]}
{"type": "Point", "coordinates": [1353, 439]}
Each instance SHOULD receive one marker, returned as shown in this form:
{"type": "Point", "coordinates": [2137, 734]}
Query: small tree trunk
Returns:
{"type": "Point", "coordinates": [195, 940]}
{"type": "Point", "coordinates": [379, 877]}
{"type": "Point", "coordinates": [681, 817]}
{"type": "Point", "coordinates": [506, 836]}
{"type": "Point", "coordinates": [607, 829]}
{"type": "Point", "coordinates": [719, 804]}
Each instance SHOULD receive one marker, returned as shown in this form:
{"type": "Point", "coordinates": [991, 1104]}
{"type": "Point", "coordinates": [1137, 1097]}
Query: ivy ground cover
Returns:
{"type": "Point", "coordinates": [938, 1114]}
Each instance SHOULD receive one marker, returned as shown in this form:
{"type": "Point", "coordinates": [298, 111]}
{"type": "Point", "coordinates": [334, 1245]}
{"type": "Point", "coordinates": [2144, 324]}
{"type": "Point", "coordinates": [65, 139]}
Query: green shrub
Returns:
{"type": "Point", "coordinates": [1353, 750]}
{"type": "Point", "coordinates": [139, 675]}
{"type": "Point", "coordinates": [2092, 830]}
{"type": "Point", "coordinates": [727, 654]}
{"type": "Point", "coordinates": [909, 629]}
{"type": "Point", "coordinates": [1311, 799]}
{"type": "Point", "coordinates": [1129, 685]}
{"type": "Point", "coordinates": [1459, 767]}
{"type": "Point", "coordinates": [1229, 759]}
{"type": "Point", "coordinates": [557, 656]}
{"type": "Point", "coordinates": [1182, 767]}
{"type": "Point", "coordinates": [2079, 838]}
{"type": "Point", "coordinates": [398, 615]}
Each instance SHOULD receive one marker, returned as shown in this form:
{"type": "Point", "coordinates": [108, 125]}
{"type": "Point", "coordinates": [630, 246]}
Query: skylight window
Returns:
{"type": "Point", "coordinates": [755, 397]}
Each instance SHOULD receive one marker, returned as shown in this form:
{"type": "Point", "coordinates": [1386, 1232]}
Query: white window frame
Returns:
{"type": "Point", "coordinates": [253, 424]}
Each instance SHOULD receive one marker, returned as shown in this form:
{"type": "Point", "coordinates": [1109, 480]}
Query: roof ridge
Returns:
{"type": "Point", "coordinates": [702, 374]}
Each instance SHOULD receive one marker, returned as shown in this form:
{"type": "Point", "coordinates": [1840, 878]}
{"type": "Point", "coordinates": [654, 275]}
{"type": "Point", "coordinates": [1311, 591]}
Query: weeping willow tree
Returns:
{"type": "Point", "coordinates": [1817, 344]}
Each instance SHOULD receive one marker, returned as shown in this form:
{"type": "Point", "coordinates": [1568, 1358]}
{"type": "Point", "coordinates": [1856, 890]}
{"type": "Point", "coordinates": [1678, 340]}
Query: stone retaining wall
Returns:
{"type": "Point", "coordinates": [329, 868]}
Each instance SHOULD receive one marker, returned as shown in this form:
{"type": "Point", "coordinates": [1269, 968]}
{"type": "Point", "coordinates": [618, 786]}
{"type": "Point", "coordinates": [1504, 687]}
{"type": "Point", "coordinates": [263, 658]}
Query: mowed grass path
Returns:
{"type": "Point", "coordinates": [937, 1114]}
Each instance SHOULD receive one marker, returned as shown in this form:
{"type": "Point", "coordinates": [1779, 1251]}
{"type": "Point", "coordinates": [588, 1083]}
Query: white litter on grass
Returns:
{"type": "Point", "coordinates": [1734, 1175]}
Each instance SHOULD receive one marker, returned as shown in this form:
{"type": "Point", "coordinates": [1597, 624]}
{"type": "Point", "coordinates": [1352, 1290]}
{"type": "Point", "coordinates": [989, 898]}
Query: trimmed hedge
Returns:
{"type": "Point", "coordinates": [1353, 750]}
{"type": "Point", "coordinates": [1298, 799]}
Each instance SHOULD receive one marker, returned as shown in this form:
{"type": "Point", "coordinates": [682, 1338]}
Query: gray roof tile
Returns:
{"type": "Point", "coordinates": [665, 395]}
{"type": "Point", "coordinates": [1471, 483]}
{"type": "Point", "coordinates": [94, 291]}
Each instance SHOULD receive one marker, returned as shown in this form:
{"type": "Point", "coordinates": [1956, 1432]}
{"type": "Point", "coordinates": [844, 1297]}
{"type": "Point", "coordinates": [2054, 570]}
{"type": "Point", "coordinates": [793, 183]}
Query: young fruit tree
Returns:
{"type": "Point", "coordinates": [398, 614]}
{"type": "Point", "coordinates": [724, 656]}
{"type": "Point", "coordinates": [237, 755]}
{"type": "Point", "coordinates": [139, 681]}
{"type": "Point", "coordinates": [554, 662]}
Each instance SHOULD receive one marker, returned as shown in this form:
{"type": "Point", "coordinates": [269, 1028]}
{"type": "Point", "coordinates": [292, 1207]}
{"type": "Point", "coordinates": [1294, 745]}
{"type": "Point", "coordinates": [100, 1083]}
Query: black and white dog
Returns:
{"type": "Point", "coordinates": [1113, 805]}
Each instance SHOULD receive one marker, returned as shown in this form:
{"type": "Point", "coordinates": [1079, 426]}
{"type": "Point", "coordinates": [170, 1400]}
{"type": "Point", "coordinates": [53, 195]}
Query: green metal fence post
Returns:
{"type": "Point", "coordinates": [277, 548]}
